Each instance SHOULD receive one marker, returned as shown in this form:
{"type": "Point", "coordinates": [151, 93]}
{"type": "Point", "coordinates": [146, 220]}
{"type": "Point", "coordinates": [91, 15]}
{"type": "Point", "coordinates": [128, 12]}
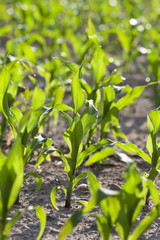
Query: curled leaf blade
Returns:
{"type": "Point", "coordinates": [42, 217]}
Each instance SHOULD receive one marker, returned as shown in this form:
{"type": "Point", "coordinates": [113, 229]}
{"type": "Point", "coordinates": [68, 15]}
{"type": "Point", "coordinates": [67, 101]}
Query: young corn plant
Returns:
{"type": "Point", "coordinates": [79, 126]}
{"type": "Point", "coordinates": [153, 147]}
{"type": "Point", "coordinates": [120, 209]}
{"type": "Point", "coordinates": [106, 96]}
{"type": "Point", "coordinates": [105, 92]}
{"type": "Point", "coordinates": [12, 77]}
{"type": "Point", "coordinates": [53, 73]}
{"type": "Point", "coordinates": [11, 181]}
{"type": "Point", "coordinates": [154, 71]}
{"type": "Point", "coordinates": [25, 125]}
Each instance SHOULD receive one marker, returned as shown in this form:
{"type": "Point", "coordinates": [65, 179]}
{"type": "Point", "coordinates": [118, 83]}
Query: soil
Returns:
{"type": "Point", "coordinates": [133, 122]}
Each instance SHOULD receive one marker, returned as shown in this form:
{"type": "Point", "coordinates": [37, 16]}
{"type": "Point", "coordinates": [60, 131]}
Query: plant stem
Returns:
{"type": "Point", "coordinates": [69, 193]}
{"type": "Point", "coordinates": [2, 226]}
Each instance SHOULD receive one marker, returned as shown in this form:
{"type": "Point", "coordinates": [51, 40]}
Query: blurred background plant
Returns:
{"type": "Point", "coordinates": [38, 31]}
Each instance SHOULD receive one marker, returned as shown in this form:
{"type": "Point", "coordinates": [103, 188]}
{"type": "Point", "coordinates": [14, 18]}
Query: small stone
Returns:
{"type": "Point", "coordinates": [114, 187]}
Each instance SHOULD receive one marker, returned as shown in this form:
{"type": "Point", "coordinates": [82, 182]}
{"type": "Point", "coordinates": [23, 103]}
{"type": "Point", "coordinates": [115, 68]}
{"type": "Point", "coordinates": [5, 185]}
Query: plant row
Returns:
{"type": "Point", "coordinates": [97, 99]}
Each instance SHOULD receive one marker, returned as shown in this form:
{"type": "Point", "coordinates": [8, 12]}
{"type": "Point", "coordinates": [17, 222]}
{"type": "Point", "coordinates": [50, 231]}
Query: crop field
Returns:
{"type": "Point", "coordinates": [79, 119]}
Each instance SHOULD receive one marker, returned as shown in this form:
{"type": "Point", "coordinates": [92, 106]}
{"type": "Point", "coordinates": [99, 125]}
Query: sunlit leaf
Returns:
{"type": "Point", "coordinates": [11, 178]}
{"type": "Point", "coordinates": [35, 116]}
{"type": "Point", "coordinates": [78, 179]}
{"type": "Point", "coordinates": [53, 195]}
{"type": "Point", "coordinates": [38, 98]}
{"type": "Point", "coordinates": [77, 93]}
{"type": "Point", "coordinates": [38, 181]}
{"type": "Point", "coordinates": [133, 149]}
{"type": "Point", "coordinates": [35, 144]}
{"type": "Point", "coordinates": [155, 118]}
{"type": "Point", "coordinates": [88, 117]}
{"type": "Point", "coordinates": [92, 33]}
{"type": "Point", "coordinates": [100, 155]}
{"type": "Point", "coordinates": [145, 223]}
{"type": "Point", "coordinates": [98, 64]}
{"type": "Point", "coordinates": [42, 217]}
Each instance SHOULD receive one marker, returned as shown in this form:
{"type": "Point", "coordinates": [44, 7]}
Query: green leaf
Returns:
{"type": "Point", "coordinates": [35, 144]}
{"type": "Point", "coordinates": [92, 33]}
{"type": "Point", "coordinates": [154, 192]}
{"type": "Point", "coordinates": [72, 66]}
{"type": "Point", "coordinates": [124, 39]}
{"type": "Point", "coordinates": [73, 137]}
{"type": "Point", "coordinates": [88, 117]}
{"type": "Point", "coordinates": [38, 180]}
{"type": "Point", "coordinates": [109, 97]}
{"type": "Point", "coordinates": [133, 149]}
{"type": "Point", "coordinates": [131, 201]}
{"type": "Point", "coordinates": [4, 80]}
{"type": "Point", "coordinates": [98, 65]}
{"type": "Point", "coordinates": [86, 87]}
{"type": "Point", "coordinates": [53, 195]}
{"type": "Point", "coordinates": [98, 195]}
{"type": "Point", "coordinates": [38, 98]}
{"type": "Point", "coordinates": [91, 149]}
{"type": "Point", "coordinates": [83, 202]}
{"type": "Point", "coordinates": [71, 223]}
{"type": "Point", "coordinates": [76, 90]}
{"type": "Point", "coordinates": [76, 140]}
{"type": "Point", "coordinates": [63, 107]}
{"type": "Point", "coordinates": [130, 97]}
{"type": "Point", "coordinates": [25, 63]}
{"type": "Point", "coordinates": [94, 185]}
{"type": "Point", "coordinates": [67, 118]}
{"type": "Point", "coordinates": [6, 29]}
{"type": "Point", "coordinates": [149, 124]}
{"type": "Point", "coordinates": [78, 179]}
{"type": "Point", "coordinates": [59, 94]}
{"type": "Point", "coordinates": [11, 223]}
{"type": "Point", "coordinates": [150, 146]}
{"type": "Point", "coordinates": [35, 117]}
{"type": "Point", "coordinates": [34, 80]}
{"type": "Point", "coordinates": [155, 118]}
{"type": "Point", "coordinates": [23, 127]}
{"type": "Point", "coordinates": [100, 155]}
{"type": "Point", "coordinates": [103, 227]}
{"type": "Point", "coordinates": [11, 178]}
{"type": "Point", "coordinates": [58, 99]}
{"type": "Point", "coordinates": [17, 113]}
{"type": "Point", "coordinates": [4, 106]}
{"type": "Point", "coordinates": [96, 96]}
{"type": "Point", "coordinates": [117, 132]}
{"type": "Point", "coordinates": [145, 223]}
{"type": "Point", "coordinates": [2, 159]}
{"type": "Point", "coordinates": [111, 80]}
{"type": "Point", "coordinates": [42, 217]}
{"type": "Point", "coordinates": [66, 161]}
{"type": "Point", "coordinates": [108, 113]}
{"type": "Point", "coordinates": [111, 207]}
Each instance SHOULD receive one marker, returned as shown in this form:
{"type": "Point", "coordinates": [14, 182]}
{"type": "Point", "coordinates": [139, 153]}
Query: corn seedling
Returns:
{"type": "Point", "coordinates": [153, 147]}
{"type": "Point", "coordinates": [120, 209]}
{"type": "Point", "coordinates": [25, 125]}
{"type": "Point", "coordinates": [105, 92]}
{"type": "Point", "coordinates": [79, 127]}
{"type": "Point", "coordinates": [11, 181]}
